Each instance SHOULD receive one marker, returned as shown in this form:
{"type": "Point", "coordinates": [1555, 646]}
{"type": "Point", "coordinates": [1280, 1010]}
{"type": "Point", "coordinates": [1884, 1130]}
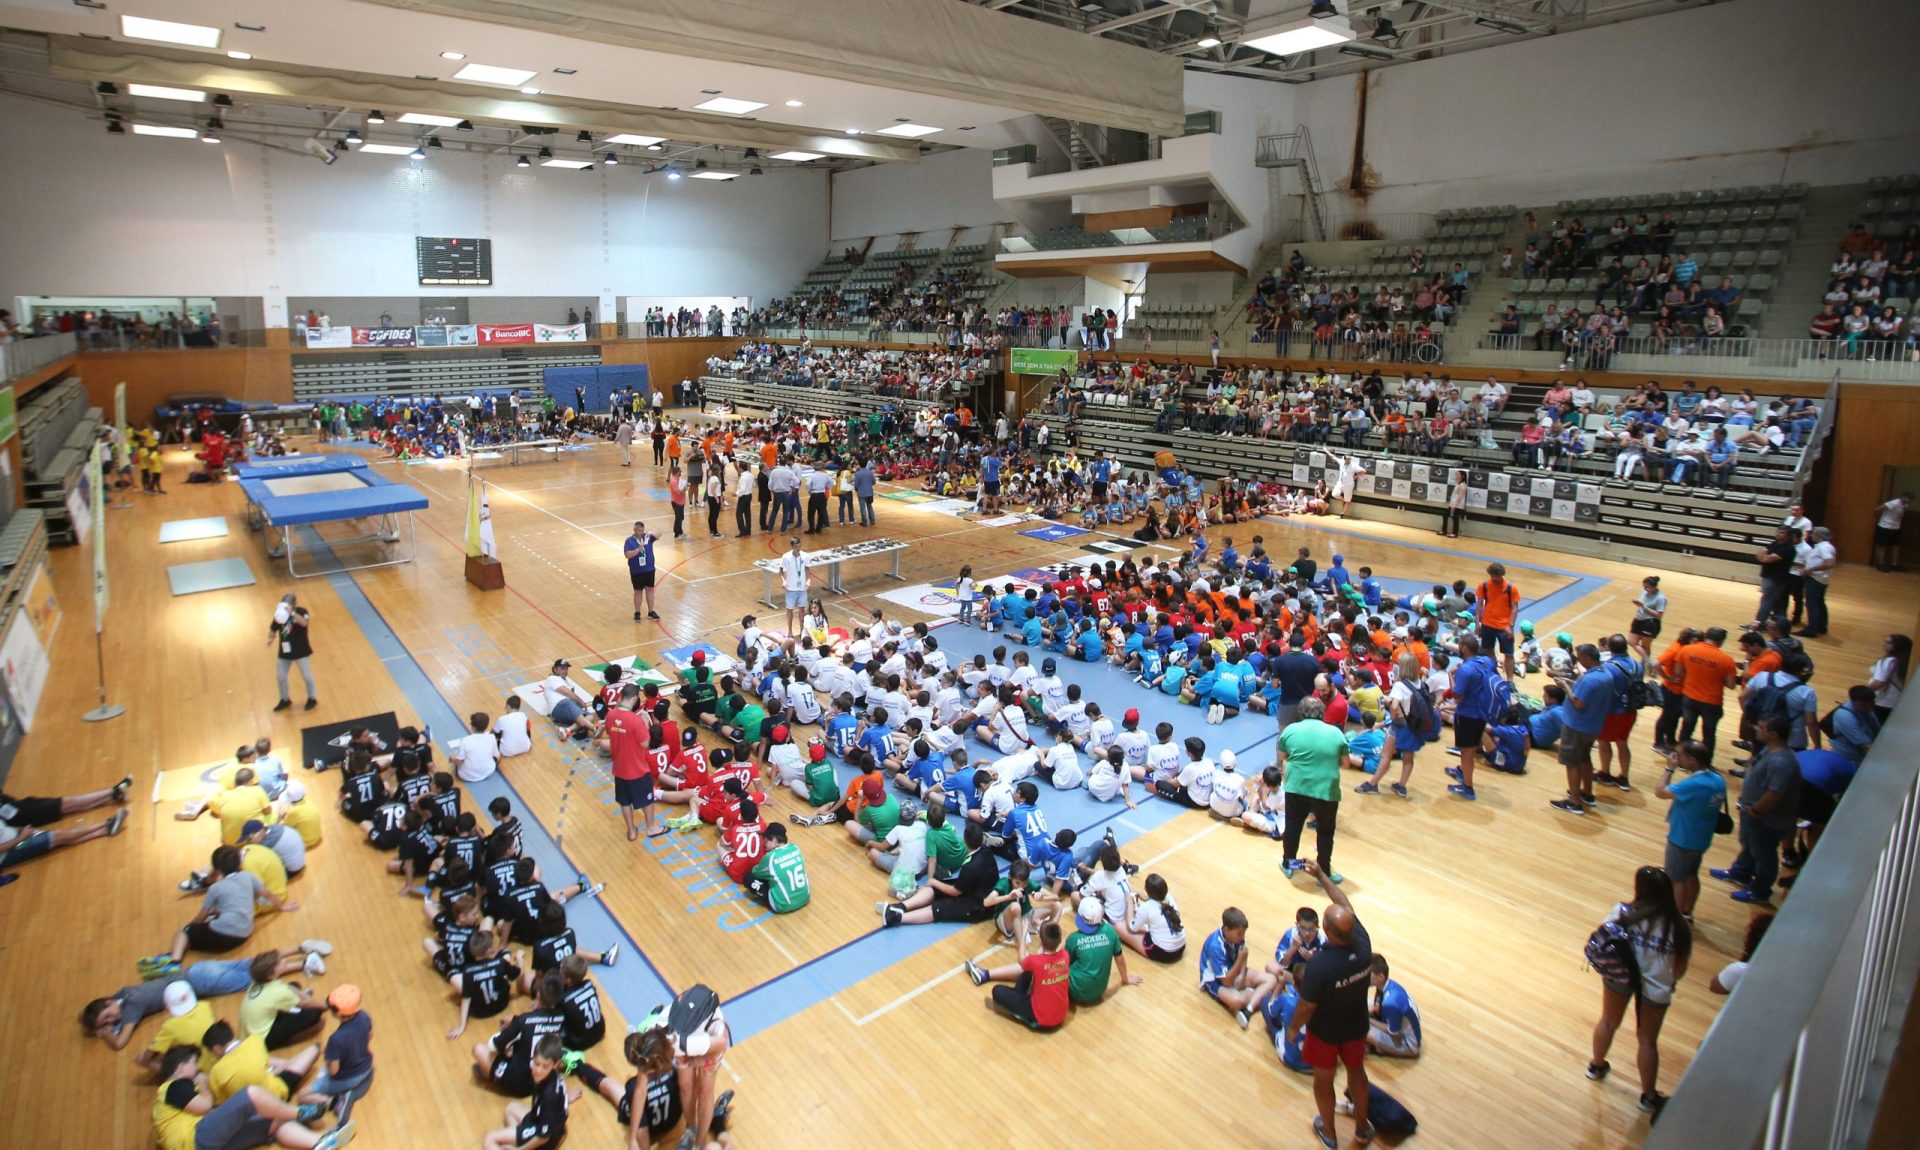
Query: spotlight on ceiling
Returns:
{"type": "Point", "coordinates": [339, 145]}
{"type": "Point", "coordinates": [1322, 9]}
{"type": "Point", "coordinates": [464, 126]}
{"type": "Point", "coordinates": [1207, 42]}
{"type": "Point", "coordinates": [1385, 33]}
{"type": "Point", "coordinates": [751, 154]}
{"type": "Point", "coordinates": [114, 128]}
{"type": "Point", "coordinates": [610, 160]}
{"type": "Point", "coordinates": [418, 153]}
{"type": "Point", "coordinates": [585, 137]}
{"type": "Point", "coordinates": [672, 173]}
{"type": "Point", "coordinates": [222, 100]}
{"type": "Point", "coordinates": [353, 136]}
{"type": "Point", "coordinates": [106, 88]}
{"type": "Point", "coordinates": [546, 153]}
{"type": "Point", "coordinates": [755, 171]}
{"type": "Point", "coordinates": [376, 117]}
{"type": "Point", "coordinates": [523, 162]}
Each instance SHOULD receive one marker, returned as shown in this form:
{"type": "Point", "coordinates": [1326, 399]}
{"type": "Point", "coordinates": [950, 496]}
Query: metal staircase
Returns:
{"type": "Point", "coordinates": [1295, 150]}
{"type": "Point", "coordinates": [1085, 144]}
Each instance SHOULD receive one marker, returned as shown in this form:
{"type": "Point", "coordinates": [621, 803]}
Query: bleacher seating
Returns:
{"type": "Point", "coordinates": [57, 433]}
{"type": "Point", "coordinates": [349, 376]}
{"type": "Point", "coordinates": [1467, 236]}
{"type": "Point", "coordinates": [1174, 321]}
{"type": "Point", "coordinates": [1892, 206]}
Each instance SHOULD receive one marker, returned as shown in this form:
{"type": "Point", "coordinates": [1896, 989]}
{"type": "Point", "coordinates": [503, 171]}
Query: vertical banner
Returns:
{"type": "Point", "coordinates": [98, 483]}
{"type": "Point", "coordinates": [480, 544]}
{"type": "Point", "coordinates": [122, 449]}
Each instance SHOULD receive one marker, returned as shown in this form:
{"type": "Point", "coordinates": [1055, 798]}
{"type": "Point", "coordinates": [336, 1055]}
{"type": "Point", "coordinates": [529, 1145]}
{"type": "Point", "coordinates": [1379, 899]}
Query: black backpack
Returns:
{"type": "Point", "coordinates": [1610, 954]}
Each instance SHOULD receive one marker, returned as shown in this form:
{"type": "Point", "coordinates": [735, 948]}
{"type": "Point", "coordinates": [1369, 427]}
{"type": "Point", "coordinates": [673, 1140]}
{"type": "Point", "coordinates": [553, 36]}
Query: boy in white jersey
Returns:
{"type": "Point", "coordinates": [1163, 757]}
{"type": "Point", "coordinates": [1071, 714]}
{"type": "Point", "coordinates": [1194, 786]}
{"type": "Point", "coordinates": [1229, 799]}
{"type": "Point", "coordinates": [1133, 741]}
{"type": "Point", "coordinates": [1023, 672]}
{"type": "Point", "coordinates": [948, 702]}
{"type": "Point", "coordinates": [1060, 763]}
{"type": "Point", "coordinates": [803, 706]}
{"type": "Point", "coordinates": [1100, 732]}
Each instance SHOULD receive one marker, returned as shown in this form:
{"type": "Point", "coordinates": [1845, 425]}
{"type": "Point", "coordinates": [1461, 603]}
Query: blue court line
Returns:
{"type": "Point", "coordinates": [635, 988]}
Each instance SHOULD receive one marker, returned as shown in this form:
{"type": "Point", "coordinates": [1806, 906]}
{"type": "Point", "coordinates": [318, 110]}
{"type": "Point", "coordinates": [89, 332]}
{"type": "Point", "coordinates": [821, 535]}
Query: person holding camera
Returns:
{"type": "Point", "coordinates": [289, 633]}
{"type": "Point", "coordinates": [640, 570]}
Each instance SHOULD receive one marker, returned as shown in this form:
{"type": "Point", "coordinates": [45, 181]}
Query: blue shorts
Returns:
{"type": "Point", "coordinates": [1490, 637]}
{"type": "Point", "coordinates": [796, 600]}
{"type": "Point", "coordinates": [30, 847]}
{"type": "Point", "coordinates": [1212, 989]}
{"type": "Point", "coordinates": [1405, 742]}
{"type": "Point", "coordinates": [219, 976]}
{"type": "Point", "coordinates": [566, 712]}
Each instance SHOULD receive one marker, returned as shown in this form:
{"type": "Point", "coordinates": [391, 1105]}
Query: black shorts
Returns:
{"type": "Point", "coordinates": [30, 812]}
{"type": "Point", "coordinates": [967, 908]}
{"type": "Point", "coordinates": [1647, 627]}
{"type": "Point", "coordinates": [1099, 491]}
{"type": "Point", "coordinates": [633, 792]}
{"type": "Point", "coordinates": [1886, 536]}
{"type": "Point", "coordinates": [1161, 954]}
{"type": "Point", "coordinates": [991, 488]}
{"type": "Point", "coordinates": [641, 579]}
{"type": "Point", "coordinates": [202, 937]}
{"type": "Point", "coordinates": [1467, 732]}
{"type": "Point", "coordinates": [512, 1076]}
{"type": "Point", "coordinates": [1489, 638]}
{"type": "Point", "coordinates": [1816, 805]}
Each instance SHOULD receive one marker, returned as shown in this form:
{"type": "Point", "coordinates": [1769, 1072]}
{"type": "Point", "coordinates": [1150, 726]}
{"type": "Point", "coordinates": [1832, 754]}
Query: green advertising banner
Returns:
{"type": "Point", "coordinates": [9, 419]}
{"type": "Point", "coordinates": [1041, 361]}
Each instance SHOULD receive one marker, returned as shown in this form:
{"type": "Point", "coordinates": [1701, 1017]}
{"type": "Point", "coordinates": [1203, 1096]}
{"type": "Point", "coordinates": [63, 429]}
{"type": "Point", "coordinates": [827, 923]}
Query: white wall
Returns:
{"type": "Point", "coordinates": [90, 213]}
{"type": "Point", "coordinates": [944, 190]}
{"type": "Point", "coordinates": [1762, 91]}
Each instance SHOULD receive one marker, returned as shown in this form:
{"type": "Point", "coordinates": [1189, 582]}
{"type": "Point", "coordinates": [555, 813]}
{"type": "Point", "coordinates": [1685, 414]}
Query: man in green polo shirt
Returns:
{"type": "Point", "coordinates": [1092, 950]}
{"type": "Point", "coordinates": [1310, 752]}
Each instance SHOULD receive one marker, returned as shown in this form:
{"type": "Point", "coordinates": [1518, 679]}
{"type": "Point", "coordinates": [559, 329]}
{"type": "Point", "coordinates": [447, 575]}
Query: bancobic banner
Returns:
{"type": "Point", "coordinates": [506, 333]}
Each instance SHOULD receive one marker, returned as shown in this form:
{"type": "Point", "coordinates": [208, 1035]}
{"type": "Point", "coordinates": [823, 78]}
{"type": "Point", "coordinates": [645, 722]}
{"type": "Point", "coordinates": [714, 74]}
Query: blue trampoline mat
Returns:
{"type": "Point", "coordinates": [185, 530]}
{"type": "Point", "coordinates": [213, 575]}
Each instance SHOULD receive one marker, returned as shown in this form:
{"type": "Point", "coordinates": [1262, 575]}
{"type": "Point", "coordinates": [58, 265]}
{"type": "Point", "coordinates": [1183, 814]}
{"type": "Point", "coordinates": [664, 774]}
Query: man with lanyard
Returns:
{"type": "Point", "coordinates": [783, 485]}
{"type": "Point", "coordinates": [990, 483]}
{"type": "Point", "coordinates": [1102, 474]}
{"type": "Point", "coordinates": [1333, 1013]}
{"type": "Point", "coordinates": [289, 635]}
{"type": "Point", "coordinates": [1497, 602]}
{"type": "Point", "coordinates": [640, 571]}
{"type": "Point", "coordinates": [1626, 670]}
{"type": "Point", "coordinates": [1477, 701]}
{"type": "Point", "coordinates": [793, 578]}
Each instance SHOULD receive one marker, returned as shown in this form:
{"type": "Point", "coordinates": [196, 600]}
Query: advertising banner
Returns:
{"type": "Point", "coordinates": [569, 333]}
{"type": "Point", "coordinates": [492, 333]}
{"type": "Point", "coordinates": [447, 335]}
{"type": "Point", "coordinates": [383, 337]}
{"type": "Point", "coordinates": [1040, 360]}
{"type": "Point", "coordinates": [329, 337]}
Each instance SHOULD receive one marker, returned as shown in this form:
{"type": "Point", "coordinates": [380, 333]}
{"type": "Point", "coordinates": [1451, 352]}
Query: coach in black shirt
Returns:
{"type": "Point", "coordinates": [1333, 1012]}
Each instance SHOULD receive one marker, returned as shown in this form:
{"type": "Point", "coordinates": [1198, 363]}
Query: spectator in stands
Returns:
{"type": "Point", "coordinates": [1685, 269]}
{"type": "Point", "coordinates": [1508, 333]}
{"type": "Point", "coordinates": [1663, 232]}
{"type": "Point", "coordinates": [1858, 242]}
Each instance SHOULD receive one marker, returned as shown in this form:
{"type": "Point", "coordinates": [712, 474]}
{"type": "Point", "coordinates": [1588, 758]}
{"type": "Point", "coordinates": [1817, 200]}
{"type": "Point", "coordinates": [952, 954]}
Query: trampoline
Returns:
{"type": "Point", "coordinates": [293, 491]}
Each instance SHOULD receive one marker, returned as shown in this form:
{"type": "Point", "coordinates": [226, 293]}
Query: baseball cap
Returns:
{"type": "Point", "coordinates": [295, 791]}
{"type": "Point", "coordinates": [251, 828]}
{"type": "Point", "coordinates": [1092, 912]}
{"type": "Point", "coordinates": [780, 733]}
{"type": "Point", "coordinates": [345, 999]}
{"type": "Point", "coordinates": [1229, 760]}
{"type": "Point", "coordinates": [699, 656]}
{"type": "Point", "coordinates": [816, 750]}
{"type": "Point", "coordinates": [1564, 639]}
{"type": "Point", "coordinates": [1132, 715]}
{"type": "Point", "coordinates": [562, 663]}
{"type": "Point", "coordinates": [1048, 666]}
{"type": "Point", "coordinates": [874, 791]}
{"type": "Point", "coordinates": [179, 997]}
{"type": "Point", "coordinates": [1526, 626]}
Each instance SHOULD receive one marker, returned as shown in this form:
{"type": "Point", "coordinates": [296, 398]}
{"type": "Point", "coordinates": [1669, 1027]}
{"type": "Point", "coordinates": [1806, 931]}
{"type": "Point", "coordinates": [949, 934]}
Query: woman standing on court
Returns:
{"type": "Point", "coordinates": [677, 494]}
{"type": "Point", "coordinates": [289, 634]}
{"type": "Point", "coordinates": [1662, 943]}
{"type": "Point", "coordinates": [1648, 609]}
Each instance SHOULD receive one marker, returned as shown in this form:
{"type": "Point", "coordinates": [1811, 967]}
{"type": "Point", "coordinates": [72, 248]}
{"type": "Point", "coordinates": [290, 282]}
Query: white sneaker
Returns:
{"type": "Point", "coordinates": [315, 965]}
{"type": "Point", "coordinates": [317, 946]}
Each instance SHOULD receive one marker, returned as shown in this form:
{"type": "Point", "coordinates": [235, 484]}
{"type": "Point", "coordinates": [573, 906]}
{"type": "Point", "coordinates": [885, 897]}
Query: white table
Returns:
{"type": "Point", "coordinates": [832, 559]}
{"type": "Point", "coordinates": [512, 450]}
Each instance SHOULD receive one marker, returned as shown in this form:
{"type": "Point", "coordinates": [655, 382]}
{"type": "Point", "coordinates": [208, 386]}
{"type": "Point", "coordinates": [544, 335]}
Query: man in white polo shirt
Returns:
{"type": "Point", "coordinates": [793, 577]}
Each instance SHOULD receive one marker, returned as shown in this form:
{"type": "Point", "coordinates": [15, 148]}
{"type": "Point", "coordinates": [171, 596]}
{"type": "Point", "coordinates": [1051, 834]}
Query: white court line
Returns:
{"type": "Point", "coordinates": [1182, 845]}
{"type": "Point", "coordinates": [1128, 823]}
{"type": "Point", "coordinates": [917, 991]}
{"type": "Point", "coordinates": [1566, 623]}
{"type": "Point", "coordinates": [778, 945]}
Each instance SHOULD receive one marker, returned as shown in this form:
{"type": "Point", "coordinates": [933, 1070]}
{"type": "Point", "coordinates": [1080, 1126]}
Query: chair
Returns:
{"type": "Point", "coordinates": [1717, 216]}
{"type": "Point", "coordinates": [1746, 258]}
{"type": "Point", "coordinates": [1770, 258]}
{"type": "Point", "coordinates": [1758, 282]}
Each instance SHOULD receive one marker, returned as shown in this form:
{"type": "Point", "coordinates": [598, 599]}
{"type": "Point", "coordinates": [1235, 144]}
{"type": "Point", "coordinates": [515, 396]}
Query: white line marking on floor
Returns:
{"type": "Point", "coordinates": [917, 991]}
{"type": "Point", "coordinates": [1128, 823]}
{"type": "Point", "coordinates": [1566, 623]}
{"type": "Point", "coordinates": [1182, 845]}
{"type": "Point", "coordinates": [778, 945]}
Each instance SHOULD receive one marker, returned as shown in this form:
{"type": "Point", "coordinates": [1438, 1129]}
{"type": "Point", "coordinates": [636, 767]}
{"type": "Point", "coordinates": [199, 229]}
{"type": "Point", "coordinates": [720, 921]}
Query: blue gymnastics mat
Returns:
{"type": "Point", "coordinates": [185, 530]}
{"type": "Point", "coordinates": [214, 575]}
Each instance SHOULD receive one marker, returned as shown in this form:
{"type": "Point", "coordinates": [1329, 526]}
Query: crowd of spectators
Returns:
{"type": "Point", "coordinates": [1393, 321]}
{"type": "Point", "coordinates": [929, 374]}
{"type": "Point", "coordinates": [1865, 307]}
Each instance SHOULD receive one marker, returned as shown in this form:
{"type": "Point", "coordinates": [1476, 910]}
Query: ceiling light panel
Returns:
{"type": "Point", "coordinates": [728, 106]}
{"type": "Point", "coordinates": [428, 118]}
{"type": "Point", "coordinates": [239, 55]}
{"type": "Point", "coordinates": [162, 92]}
{"type": "Point", "coordinates": [576, 164]}
{"type": "Point", "coordinates": [796, 157]}
{"type": "Point", "coordinates": [387, 149]}
{"type": "Point", "coordinates": [164, 130]}
{"type": "Point", "coordinates": [1299, 36]}
{"type": "Point", "coordinates": [169, 32]}
{"type": "Point", "coordinates": [453, 55]}
{"type": "Point", "coordinates": [908, 131]}
{"type": "Point", "coordinates": [715, 175]}
{"type": "Point", "coordinates": [494, 74]}
{"type": "Point", "coordinates": [636, 141]}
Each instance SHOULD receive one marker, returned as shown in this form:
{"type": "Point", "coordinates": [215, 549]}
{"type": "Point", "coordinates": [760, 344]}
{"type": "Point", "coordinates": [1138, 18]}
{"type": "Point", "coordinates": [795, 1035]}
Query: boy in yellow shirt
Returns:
{"type": "Point", "coordinates": [185, 1116]}
{"type": "Point", "coordinates": [188, 1019]}
{"type": "Point", "coordinates": [244, 1062]}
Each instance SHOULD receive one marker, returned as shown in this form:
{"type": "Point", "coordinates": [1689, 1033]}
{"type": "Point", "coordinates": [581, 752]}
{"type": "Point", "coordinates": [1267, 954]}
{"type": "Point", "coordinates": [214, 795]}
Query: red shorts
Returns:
{"type": "Point", "coordinates": [1617, 727]}
{"type": "Point", "coordinates": [1322, 1055]}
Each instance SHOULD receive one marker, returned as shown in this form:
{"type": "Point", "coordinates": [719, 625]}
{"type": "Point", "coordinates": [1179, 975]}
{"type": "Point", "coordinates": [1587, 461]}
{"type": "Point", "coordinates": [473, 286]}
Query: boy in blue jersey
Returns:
{"type": "Point", "coordinates": [1199, 684]}
{"type": "Point", "coordinates": [842, 728]}
{"type": "Point", "coordinates": [1224, 974]}
{"type": "Point", "coordinates": [1013, 610]}
{"type": "Point", "coordinates": [1229, 557]}
{"type": "Point", "coordinates": [1279, 1015]}
{"type": "Point", "coordinates": [1363, 751]}
{"type": "Point", "coordinates": [1146, 666]}
{"type": "Point", "coordinates": [1370, 590]}
{"type": "Point", "coordinates": [1026, 827]}
{"type": "Point", "coordinates": [876, 738]}
{"type": "Point", "coordinates": [1300, 943]}
{"type": "Point", "coordinates": [925, 771]}
{"type": "Point", "coordinates": [1056, 863]}
{"type": "Point", "coordinates": [1505, 746]}
{"type": "Point", "coordinates": [1396, 1021]}
{"type": "Point", "coordinates": [1172, 678]}
{"type": "Point", "coordinates": [1033, 631]}
{"type": "Point", "coordinates": [1092, 648]}
{"type": "Point", "coordinates": [1232, 683]}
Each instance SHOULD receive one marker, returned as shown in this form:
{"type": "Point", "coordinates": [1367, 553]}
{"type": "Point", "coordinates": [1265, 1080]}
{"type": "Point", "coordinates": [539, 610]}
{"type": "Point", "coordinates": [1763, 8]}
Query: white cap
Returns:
{"type": "Point", "coordinates": [1092, 912]}
{"type": "Point", "coordinates": [179, 998]}
{"type": "Point", "coordinates": [295, 791]}
{"type": "Point", "coordinates": [1228, 760]}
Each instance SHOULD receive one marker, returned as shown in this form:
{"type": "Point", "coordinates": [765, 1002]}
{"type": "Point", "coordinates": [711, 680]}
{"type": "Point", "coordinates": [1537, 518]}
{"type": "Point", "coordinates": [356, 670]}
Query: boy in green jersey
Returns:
{"type": "Point", "coordinates": [779, 880]}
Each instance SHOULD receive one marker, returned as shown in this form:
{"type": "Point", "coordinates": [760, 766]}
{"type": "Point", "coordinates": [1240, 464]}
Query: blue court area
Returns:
{"type": "Point", "coordinates": [213, 575]}
{"type": "Point", "coordinates": [187, 530]}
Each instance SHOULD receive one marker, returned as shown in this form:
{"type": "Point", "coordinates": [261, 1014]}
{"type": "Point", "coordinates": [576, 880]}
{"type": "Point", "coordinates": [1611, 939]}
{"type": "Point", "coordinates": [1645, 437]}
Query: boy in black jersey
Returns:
{"type": "Point", "coordinates": [586, 1022]}
{"type": "Point", "coordinates": [556, 944]}
{"type": "Point", "coordinates": [418, 847]}
{"type": "Point", "coordinates": [448, 885]}
{"type": "Point", "coordinates": [504, 821]}
{"type": "Point", "coordinates": [411, 779]}
{"type": "Point", "coordinates": [528, 897]}
{"type": "Point", "coordinates": [540, 1123]}
{"type": "Point", "coordinates": [485, 983]}
{"type": "Point", "coordinates": [456, 927]}
{"type": "Point", "coordinates": [505, 1061]}
{"type": "Point", "coordinates": [464, 841]}
{"type": "Point", "coordinates": [362, 791]}
{"type": "Point", "coordinates": [649, 1104]}
{"type": "Point", "coordinates": [446, 802]}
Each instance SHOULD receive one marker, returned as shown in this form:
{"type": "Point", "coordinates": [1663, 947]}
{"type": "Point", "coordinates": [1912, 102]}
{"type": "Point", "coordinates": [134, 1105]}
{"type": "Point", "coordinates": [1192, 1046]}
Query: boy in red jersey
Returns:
{"type": "Point", "coordinates": [743, 840]}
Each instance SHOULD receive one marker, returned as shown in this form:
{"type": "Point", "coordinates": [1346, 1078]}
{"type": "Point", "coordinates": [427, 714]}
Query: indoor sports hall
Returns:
{"type": "Point", "coordinates": [384, 386]}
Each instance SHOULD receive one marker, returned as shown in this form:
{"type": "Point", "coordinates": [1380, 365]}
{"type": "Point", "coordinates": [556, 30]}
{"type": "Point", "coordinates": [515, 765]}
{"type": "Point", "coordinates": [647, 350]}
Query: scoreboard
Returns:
{"type": "Point", "coordinates": [449, 262]}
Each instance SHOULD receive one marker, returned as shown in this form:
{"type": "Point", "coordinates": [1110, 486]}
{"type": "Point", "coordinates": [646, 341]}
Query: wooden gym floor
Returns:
{"type": "Point", "coordinates": [1483, 908]}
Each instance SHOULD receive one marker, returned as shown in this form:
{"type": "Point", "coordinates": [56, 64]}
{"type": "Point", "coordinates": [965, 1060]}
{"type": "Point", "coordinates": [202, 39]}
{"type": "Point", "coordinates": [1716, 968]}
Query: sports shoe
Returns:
{"type": "Point", "coordinates": [1623, 786]}
{"type": "Point", "coordinates": [582, 880]}
{"type": "Point", "coordinates": [1243, 1018]}
{"type": "Point", "coordinates": [722, 1106]}
{"type": "Point", "coordinates": [121, 788]}
{"type": "Point", "coordinates": [157, 966]}
{"type": "Point", "coordinates": [592, 891]}
{"type": "Point", "coordinates": [1587, 798]}
{"type": "Point", "coordinates": [1399, 790]}
{"type": "Point", "coordinates": [976, 972]}
{"type": "Point", "coordinates": [1454, 774]}
{"type": "Point", "coordinates": [825, 820]}
{"type": "Point", "coordinates": [311, 704]}
{"type": "Point", "coordinates": [993, 841]}
{"type": "Point", "coordinates": [316, 946]}
{"type": "Point", "coordinates": [685, 822]}
{"type": "Point", "coordinates": [1130, 868]}
{"type": "Point", "coordinates": [892, 914]}
{"type": "Point", "coordinates": [653, 615]}
{"type": "Point", "coordinates": [1108, 839]}
{"type": "Point", "coordinates": [1363, 1134]}
{"type": "Point", "coordinates": [1215, 713]}
{"type": "Point", "coordinates": [1727, 874]}
{"type": "Point", "coordinates": [1368, 788]}
{"type": "Point", "coordinates": [1567, 805]}
{"type": "Point", "coordinates": [610, 956]}
{"type": "Point", "coordinates": [1293, 866]}
{"type": "Point", "coordinates": [1343, 1106]}
{"type": "Point", "coordinates": [283, 705]}
{"type": "Point", "coordinates": [1651, 1103]}
{"type": "Point", "coordinates": [1454, 751]}
{"type": "Point", "coordinates": [1320, 1131]}
{"type": "Point", "coordinates": [1464, 792]}
{"type": "Point", "coordinates": [315, 966]}
{"type": "Point", "coordinates": [1743, 744]}
{"type": "Point", "coordinates": [801, 820]}
{"type": "Point", "coordinates": [572, 1060]}
{"type": "Point", "coordinates": [335, 1138]}
{"type": "Point", "coordinates": [308, 1114]}
{"type": "Point", "coordinates": [1598, 1070]}
{"type": "Point", "coordinates": [638, 615]}
{"type": "Point", "coordinates": [1745, 895]}
{"type": "Point", "coordinates": [117, 823]}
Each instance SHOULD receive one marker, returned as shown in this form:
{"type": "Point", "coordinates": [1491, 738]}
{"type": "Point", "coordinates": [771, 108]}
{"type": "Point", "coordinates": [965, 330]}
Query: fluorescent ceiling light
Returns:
{"type": "Point", "coordinates": [239, 55]}
{"type": "Point", "coordinates": [169, 32]}
{"type": "Point", "coordinates": [453, 55]}
{"type": "Point", "coordinates": [910, 131]}
{"type": "Point", "coordinates": [162, 92]}
{"type": "Point", "coordinates": [1207, 42]}
{"type": "Point", "coordinates": [1297, 36]}
{"type": "Point", "coordinates": [796, 103]}
{"type": "Point", "coordinates": [636, 141]}
{"type": "Point", "coordinates": [728, 106]}
{"type": "Point", "coordinates": [576, 164]}
{"type": "Point", "coordinates": [796, 157]}
{"type": "Point", "coordinates": [426, 118]}
{"type": "Point", "coordinates": [163, 130]}
{"type": "Point", "coordinates": [715, 175]}
{"type": "Point", "coordinates": [387, 149]}
{"type": "Point", "coordinates": [494, 74]}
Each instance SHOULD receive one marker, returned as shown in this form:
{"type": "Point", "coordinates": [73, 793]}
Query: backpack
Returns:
{"type": "Point", "coordinates": [1610, 955]}
{"type": "Point", "coordinates": [1421, 719]}
{"type": "Point", "coordinates": [1387, 1114]}
{"type": "Point", "coordinates": [689, 1017]}
{"type": "Point", "coordinates": [1498, 692]}
{"type": "Point", "coordinates": [1826, 720]}
{"type": "Point", "coordinates": [1771, 700]}
{"type": "Point", "coordinates": [1633, 695]}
